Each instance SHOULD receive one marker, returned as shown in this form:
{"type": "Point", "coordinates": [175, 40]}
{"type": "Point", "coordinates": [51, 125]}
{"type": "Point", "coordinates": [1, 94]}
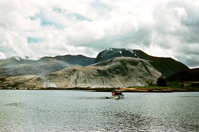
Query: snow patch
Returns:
{"type": "Point", "coordinates": [121, 53]}
{"type": "Point", "coordinates": [132, 51]}
{"type": "Point", "coordinates": [17, 58]}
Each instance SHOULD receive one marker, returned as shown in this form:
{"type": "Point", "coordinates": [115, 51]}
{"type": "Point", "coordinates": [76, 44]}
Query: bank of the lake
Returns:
{"type": "Point", "coordinates": [107, 89]}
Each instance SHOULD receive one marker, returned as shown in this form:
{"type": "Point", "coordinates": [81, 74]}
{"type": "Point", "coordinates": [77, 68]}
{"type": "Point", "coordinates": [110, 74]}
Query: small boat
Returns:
{"type": "Point", "coordinates": [116, 94]}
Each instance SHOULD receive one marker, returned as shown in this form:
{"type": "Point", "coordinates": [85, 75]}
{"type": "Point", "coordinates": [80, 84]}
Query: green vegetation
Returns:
{"type": "Point", "coordinates": [170, 87]}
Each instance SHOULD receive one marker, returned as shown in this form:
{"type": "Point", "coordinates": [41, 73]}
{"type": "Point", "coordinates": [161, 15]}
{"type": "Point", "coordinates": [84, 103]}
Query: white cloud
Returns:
{"type": "Point", "coordinates": [38, 28]}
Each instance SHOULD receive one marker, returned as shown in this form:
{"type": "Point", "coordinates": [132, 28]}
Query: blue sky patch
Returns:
{"type": "Point", "coordinates": [69, 15]}
{"type": "Point", "coordinates": [56, 9]}
{"type": "Point", "coordinates": [100, 7]}
{"type": "Point", "coordinates": [77, 17]}
{"type": "Point", "coordinates": [47, 20]}
{"type": "Point", "coordinates": [32, 40]}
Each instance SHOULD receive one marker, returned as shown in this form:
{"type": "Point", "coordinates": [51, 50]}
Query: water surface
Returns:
{"type": "Point", "coordinates": [57, 110]}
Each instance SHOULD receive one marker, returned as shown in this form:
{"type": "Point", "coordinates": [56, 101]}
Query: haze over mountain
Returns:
{"type": "Point", "coordinates": [18, 67]}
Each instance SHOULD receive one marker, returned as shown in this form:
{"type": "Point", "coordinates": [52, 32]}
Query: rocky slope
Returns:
{"type": "Point", "coordinates": [115, 72]}
{"type": "Point", "coordinates": [167, 66]}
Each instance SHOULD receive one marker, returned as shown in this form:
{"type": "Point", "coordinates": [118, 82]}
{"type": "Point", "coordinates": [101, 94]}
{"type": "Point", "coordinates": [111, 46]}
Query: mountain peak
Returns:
{"type": "Point", "coordinates": [119, 52]}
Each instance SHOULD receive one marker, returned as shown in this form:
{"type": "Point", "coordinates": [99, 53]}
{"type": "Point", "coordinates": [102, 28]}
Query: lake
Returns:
{"type": "Point", "coordinates": [65, 110]}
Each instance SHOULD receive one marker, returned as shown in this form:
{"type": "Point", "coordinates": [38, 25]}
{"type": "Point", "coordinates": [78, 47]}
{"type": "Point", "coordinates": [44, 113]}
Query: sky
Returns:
{"type": "Point", "coordinates": [37, 28]}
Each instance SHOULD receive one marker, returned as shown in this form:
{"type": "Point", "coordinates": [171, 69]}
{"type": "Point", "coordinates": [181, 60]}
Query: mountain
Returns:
{"type": "Point", "coordinates": [167, 66]}
{"type": "Point", "coordinates": [39, 67]}
{"type": "Point", "coordinates": [115, 72]}
{"type": "Point", "coordinates": [19, 67]}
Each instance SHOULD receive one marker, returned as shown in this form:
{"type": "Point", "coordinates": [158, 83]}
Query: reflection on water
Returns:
{"type": "Point", "coordinates": [15, 104]}
{"type": "Point", "coordinates": [128, 121]}
{"type": "Point", "coordinates": [90, 111]}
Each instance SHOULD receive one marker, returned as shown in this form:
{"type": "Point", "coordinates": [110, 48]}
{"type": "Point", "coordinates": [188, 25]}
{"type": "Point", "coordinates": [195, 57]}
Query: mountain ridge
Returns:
{"type": "Point", "coordinates": [115, 72]}
{"type": "Point", "coordinates": [46, 65]}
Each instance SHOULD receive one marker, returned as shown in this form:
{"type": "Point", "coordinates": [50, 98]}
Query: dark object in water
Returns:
{"type": "Point", "coordinates": [116, 94]}
{"type": "Point", "coordinates": [117, 91]}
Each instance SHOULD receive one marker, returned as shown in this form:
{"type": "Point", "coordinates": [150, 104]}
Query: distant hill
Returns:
{"type": "Point", "coordinates": [167, 66]}
{"type": "Point", "coordinates": [40, 67]}
{"type": "Point", "coordinates": [73, 59]}
{"type": "Point", "coordinates": [115, 72]}
{"type": "Point", "coordinates": [19, 67]}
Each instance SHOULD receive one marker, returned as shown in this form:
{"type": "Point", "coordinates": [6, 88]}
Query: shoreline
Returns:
{"type": "Point", "coordinates": [131, 89]}
{"type": "Point", "coordinates": [160, 90]}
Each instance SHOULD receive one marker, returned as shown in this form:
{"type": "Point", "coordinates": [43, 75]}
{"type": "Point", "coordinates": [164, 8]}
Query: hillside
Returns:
{"type": "Point", "coordinates": [167, 66]}
{"type": "Point", "coordinates": [116, 72]}
{"type": "Point", "coordinates": [187, 78]}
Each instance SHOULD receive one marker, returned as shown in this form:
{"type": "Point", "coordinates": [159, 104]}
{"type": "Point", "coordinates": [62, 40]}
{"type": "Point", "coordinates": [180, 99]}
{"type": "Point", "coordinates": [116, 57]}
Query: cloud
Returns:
{"type": "Point", "coordinates": [38, 28]}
